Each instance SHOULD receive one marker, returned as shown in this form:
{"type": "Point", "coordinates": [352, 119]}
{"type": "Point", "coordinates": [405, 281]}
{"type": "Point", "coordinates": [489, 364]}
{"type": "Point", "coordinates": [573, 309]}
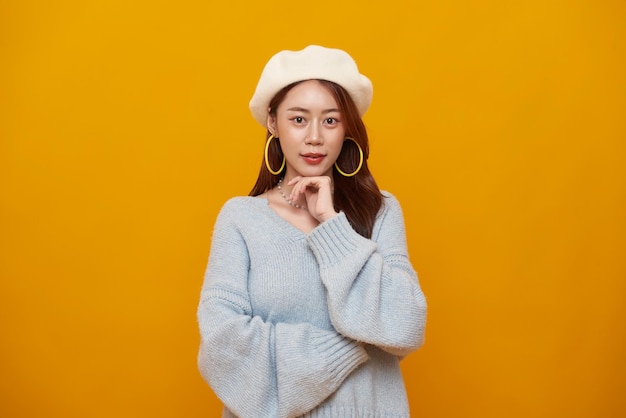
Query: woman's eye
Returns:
{"type": "Point", "coordinates": [298, 119]}
{"type": "Point", "coordinates": [331, 121]}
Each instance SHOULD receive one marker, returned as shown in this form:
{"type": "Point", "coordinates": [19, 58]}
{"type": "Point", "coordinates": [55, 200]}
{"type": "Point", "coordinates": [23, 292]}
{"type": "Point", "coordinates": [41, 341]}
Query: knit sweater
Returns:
{"type": "Point", "coordinates": [312, 325]}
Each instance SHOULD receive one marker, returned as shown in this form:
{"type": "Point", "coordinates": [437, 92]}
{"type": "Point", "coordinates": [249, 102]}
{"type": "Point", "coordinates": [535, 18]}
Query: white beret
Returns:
{"type": "Point", "coordinates": [313, 62]}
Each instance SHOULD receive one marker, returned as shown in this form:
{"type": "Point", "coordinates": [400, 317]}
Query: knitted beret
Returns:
{"type": "Point", "coordinates": [313, 62]}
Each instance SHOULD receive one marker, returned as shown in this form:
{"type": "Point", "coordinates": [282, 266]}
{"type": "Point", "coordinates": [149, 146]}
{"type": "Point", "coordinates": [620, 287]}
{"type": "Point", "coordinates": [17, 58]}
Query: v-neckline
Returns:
{"type": "Point", "coordinates": [289, 228]}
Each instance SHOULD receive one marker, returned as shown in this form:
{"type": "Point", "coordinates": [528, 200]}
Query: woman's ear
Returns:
{"type": "Point", "coordinates": [271, 124]}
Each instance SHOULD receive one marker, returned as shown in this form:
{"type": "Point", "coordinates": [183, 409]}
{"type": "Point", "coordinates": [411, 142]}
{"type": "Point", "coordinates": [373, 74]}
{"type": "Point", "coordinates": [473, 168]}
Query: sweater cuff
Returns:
{"type": "Point", "coordinates": [343, 355]}
{"type": "Point", "coordinates": [334, 240]}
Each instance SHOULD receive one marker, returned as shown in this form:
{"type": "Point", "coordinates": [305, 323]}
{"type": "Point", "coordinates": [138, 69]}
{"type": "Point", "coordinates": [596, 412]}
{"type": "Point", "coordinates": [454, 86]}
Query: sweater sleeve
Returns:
{"type": "Point", "coordinates": [260, 369]}
{"type": "Point", "coordinates": [373, 291]}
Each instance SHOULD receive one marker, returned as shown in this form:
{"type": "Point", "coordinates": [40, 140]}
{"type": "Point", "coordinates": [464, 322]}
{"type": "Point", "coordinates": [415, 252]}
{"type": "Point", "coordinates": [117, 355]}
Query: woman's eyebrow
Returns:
{"type": "Point", "coordinates": [302, 109]}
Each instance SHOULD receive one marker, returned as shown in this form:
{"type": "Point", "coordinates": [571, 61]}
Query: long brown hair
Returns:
{"type": "Point", "coordinates": [358, 196]}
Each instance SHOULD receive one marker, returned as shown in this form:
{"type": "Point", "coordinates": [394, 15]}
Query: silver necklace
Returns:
{"type": "Point", "coordinates": [291, 202]}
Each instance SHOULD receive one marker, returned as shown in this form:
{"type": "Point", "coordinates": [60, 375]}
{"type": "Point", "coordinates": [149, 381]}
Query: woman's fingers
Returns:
{"type": "Point", "coordinates": [311, 184]}
{"type": "Point", "coordinates": [318, 194]}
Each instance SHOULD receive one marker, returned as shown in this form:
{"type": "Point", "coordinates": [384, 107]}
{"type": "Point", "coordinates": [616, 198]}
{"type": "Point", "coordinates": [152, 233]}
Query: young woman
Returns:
{"type": "Point", "coordinates": [310, 300]}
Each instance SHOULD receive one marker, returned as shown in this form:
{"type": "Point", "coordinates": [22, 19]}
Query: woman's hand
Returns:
{"type": "Point", "coordinates": [318, 192]}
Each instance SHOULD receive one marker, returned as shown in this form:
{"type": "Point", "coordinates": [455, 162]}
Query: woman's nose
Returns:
{"type": "Point", "coordinates": [313, 135]}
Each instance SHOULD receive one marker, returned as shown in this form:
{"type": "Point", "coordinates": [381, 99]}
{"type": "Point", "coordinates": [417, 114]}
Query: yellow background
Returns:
{"type": "Point", "coordinates": [500, 126]}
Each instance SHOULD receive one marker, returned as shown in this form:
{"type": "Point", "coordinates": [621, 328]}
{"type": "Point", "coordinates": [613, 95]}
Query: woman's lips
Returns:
{"type": "Point", "coordinates": [312, 158]}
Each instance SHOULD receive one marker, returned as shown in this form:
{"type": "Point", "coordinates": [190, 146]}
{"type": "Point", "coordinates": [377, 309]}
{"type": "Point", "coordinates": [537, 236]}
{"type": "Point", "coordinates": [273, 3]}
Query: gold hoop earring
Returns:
{"type": "Point", "coordinates": [267, 161]}
{"type": "Point", "coordinates": [360, 160]}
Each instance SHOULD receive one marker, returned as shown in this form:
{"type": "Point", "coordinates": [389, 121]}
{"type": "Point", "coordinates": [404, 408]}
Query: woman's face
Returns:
{"type": "Point", "coordinates": [309, 125]}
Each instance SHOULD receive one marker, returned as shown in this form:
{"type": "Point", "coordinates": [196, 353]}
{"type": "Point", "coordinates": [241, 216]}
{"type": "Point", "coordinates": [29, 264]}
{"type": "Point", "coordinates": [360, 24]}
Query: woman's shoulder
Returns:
{"type": "Point", "coordinates": [242, 201]}
{"type": "Point", "coordinates": [390, 216]}
{"type": "Point", "coordinates": [239, 206]}
{"type": "Point", "coordinates": [387, 194]}
{"type": "Point", "coordinates": [389, 201]}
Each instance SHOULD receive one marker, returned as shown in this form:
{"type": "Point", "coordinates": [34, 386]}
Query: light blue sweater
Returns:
{"type": "Point", "coordinates": [308, 325]}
